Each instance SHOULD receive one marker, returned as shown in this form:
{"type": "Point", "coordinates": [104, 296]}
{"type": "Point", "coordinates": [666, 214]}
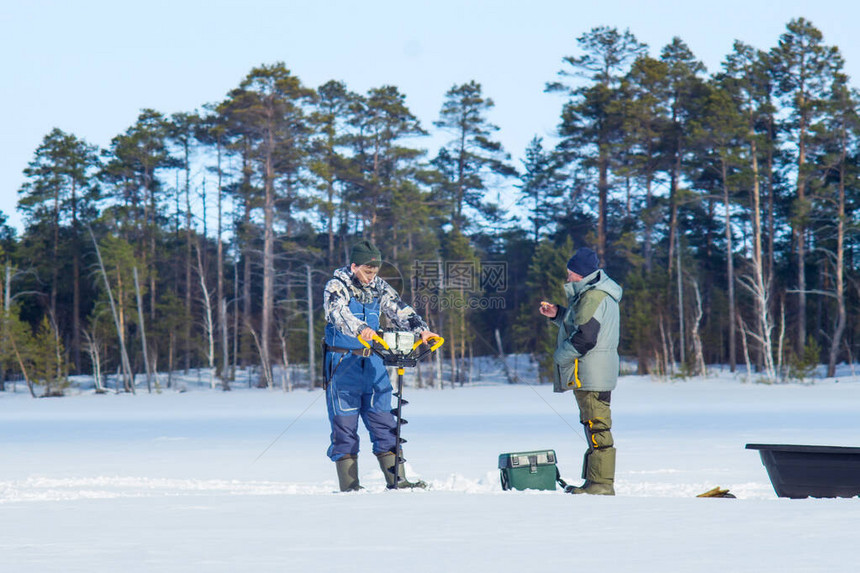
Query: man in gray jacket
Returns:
{"type": "Point", "coordinates": [586, 361]}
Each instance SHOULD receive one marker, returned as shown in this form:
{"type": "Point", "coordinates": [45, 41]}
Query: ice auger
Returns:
{"type": "Point", "coordinates": [398, 349]}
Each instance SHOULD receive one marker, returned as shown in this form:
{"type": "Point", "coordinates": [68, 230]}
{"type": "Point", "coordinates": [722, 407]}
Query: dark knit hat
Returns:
{"type": "Point", "coordinates": [364, 253]}
{"type": "Point", "coordinates": [583, 262]}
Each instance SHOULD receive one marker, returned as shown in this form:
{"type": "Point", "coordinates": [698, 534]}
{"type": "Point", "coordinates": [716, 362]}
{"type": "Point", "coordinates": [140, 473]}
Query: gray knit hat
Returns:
{"type": "Point", "coordinates": [364, 253]}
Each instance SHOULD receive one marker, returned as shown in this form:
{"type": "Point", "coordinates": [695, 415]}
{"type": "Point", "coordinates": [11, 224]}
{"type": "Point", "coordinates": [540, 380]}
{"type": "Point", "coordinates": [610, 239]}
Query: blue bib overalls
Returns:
{"type": "Point", "coordinates": [358, 386]}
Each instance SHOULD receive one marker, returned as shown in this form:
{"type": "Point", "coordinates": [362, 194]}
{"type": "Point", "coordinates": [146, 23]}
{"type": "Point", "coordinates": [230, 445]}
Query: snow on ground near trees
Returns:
{"type": "Point", "coordinates": [176, 482]}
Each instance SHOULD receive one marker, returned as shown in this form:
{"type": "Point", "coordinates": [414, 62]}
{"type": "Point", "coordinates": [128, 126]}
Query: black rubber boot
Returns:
{"type": "Point", "coordinates": [347, 473]}
{"type": "Point", "coordinates": [386, 464]}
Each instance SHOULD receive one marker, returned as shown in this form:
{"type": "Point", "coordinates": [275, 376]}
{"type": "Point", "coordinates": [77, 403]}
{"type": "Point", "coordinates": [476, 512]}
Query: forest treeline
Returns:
{"type": "Point", "coordinates": [723, 202]}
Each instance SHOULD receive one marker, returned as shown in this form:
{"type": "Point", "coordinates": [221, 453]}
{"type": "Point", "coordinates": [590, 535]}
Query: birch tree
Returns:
{"type": "Point", "coordinates": [744, 77]}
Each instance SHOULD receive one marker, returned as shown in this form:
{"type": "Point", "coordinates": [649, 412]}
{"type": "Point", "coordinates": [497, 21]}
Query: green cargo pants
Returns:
{"type": "Point", "coordinates": [596, 417]}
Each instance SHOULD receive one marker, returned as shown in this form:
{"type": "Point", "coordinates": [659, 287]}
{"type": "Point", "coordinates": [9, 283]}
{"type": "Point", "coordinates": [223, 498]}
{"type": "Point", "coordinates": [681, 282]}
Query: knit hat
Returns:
{"type": "Point", "coordinates": [583, 262]}
{"type": "Point", "coordinates": [364, 253]}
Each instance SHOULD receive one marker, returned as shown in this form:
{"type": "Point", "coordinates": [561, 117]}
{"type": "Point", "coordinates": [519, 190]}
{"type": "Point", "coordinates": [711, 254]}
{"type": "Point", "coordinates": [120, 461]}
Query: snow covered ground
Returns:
{"type": "Point", "coordinates": [185, 482]}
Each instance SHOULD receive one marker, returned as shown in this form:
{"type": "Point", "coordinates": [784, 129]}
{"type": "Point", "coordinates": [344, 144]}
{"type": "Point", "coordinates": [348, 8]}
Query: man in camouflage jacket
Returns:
{"type": "Point", "coordinates": [357, 382]}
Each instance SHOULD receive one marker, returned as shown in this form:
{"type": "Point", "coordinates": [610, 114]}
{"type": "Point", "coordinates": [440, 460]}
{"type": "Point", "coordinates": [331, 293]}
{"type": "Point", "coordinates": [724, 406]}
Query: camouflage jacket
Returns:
{"type": "Point", "coordinates": [345, 285]}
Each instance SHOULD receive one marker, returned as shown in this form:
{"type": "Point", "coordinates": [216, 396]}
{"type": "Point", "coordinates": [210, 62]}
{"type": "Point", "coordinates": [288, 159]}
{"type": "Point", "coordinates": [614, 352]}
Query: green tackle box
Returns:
{"type": "Point", "coordinates": [528, 470]}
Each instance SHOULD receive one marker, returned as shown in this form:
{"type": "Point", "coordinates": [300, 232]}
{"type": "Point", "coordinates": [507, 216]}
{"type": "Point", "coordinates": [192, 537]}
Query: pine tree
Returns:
{"type": "Point", "coordinates": [471, 157]}
{"type": "Point", "coordinates": [16, 344]}
{"type": "Point", "coordinates": [541, 185]}
{"type": "Point", "coordinates": [643, 106]}
{"type": "Point", "coordinates": [59, 193]}
{"type": "Point", "coordinates": [684, 90]}
{"type": "Point", "coordinates": [327, 161]}
{"type": "Point", "coordinates": [268, 110]}
{"type": "Point", "coordinates": [804, 69]}
{"type": "Point", "coordinates": [836, 198]}
{"type": "Point", "coordinates": [49, 366]}
{"type": "Point", "coordinates": [645, 317]}
{"type": "Point", "coordinates": [181, 129]}
{"type": "Point", "coordinates": [588, 128]}
{"type": "Point", "coordinates": [719, 137]}
{"type": "Point", "coordinates": [544, 282]}
{"type": "Point", "coordinates": [247, 198]}
{"type": "Point", "coordinates": [683, 82]}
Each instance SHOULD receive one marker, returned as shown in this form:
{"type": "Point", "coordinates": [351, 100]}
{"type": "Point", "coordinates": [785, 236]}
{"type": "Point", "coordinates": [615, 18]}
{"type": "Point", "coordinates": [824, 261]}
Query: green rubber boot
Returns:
{"type": "Point", "coordinates": [347, 473]}
{"type": "Point", "coordinates": [599, 473]}
{"type": "Point", "coordinates": [386, 464]}
{"type": "Point", "coordinates": [592, 488]}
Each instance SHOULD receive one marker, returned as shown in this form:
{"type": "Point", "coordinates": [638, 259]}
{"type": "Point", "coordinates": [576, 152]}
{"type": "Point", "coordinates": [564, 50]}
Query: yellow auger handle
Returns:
{"type": "Point", "coordinates": [433, 347]}
{"type": "Point", "coordinates": [377, 339]}
{"type": "Point", "coordinates": [438, 344]}
{"type": "Point", "coordinates": [382, 342]}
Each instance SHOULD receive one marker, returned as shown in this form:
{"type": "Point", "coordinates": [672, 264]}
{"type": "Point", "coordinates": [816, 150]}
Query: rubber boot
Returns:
{"type": "Point", "coordinates": [591, 488]}
{"type": "Point", "coordinates": [599, 474]}
{"type": "Point", "coordinates": [347, 473]}
{"type": "Point", "coordinates": [386, 464]}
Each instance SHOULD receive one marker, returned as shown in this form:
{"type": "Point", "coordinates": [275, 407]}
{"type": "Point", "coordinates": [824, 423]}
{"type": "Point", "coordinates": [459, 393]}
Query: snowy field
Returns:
{"type": "Point", "coordinates": [176, 482]}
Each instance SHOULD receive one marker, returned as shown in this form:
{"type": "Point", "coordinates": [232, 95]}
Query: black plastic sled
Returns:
{"type": "Point", "coordinates": [811, 471]}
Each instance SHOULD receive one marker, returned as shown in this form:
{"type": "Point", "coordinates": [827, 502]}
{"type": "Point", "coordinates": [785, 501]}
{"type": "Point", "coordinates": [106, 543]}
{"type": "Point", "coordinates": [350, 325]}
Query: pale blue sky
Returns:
{"type": "Point", "coordinates": [89, 66]}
